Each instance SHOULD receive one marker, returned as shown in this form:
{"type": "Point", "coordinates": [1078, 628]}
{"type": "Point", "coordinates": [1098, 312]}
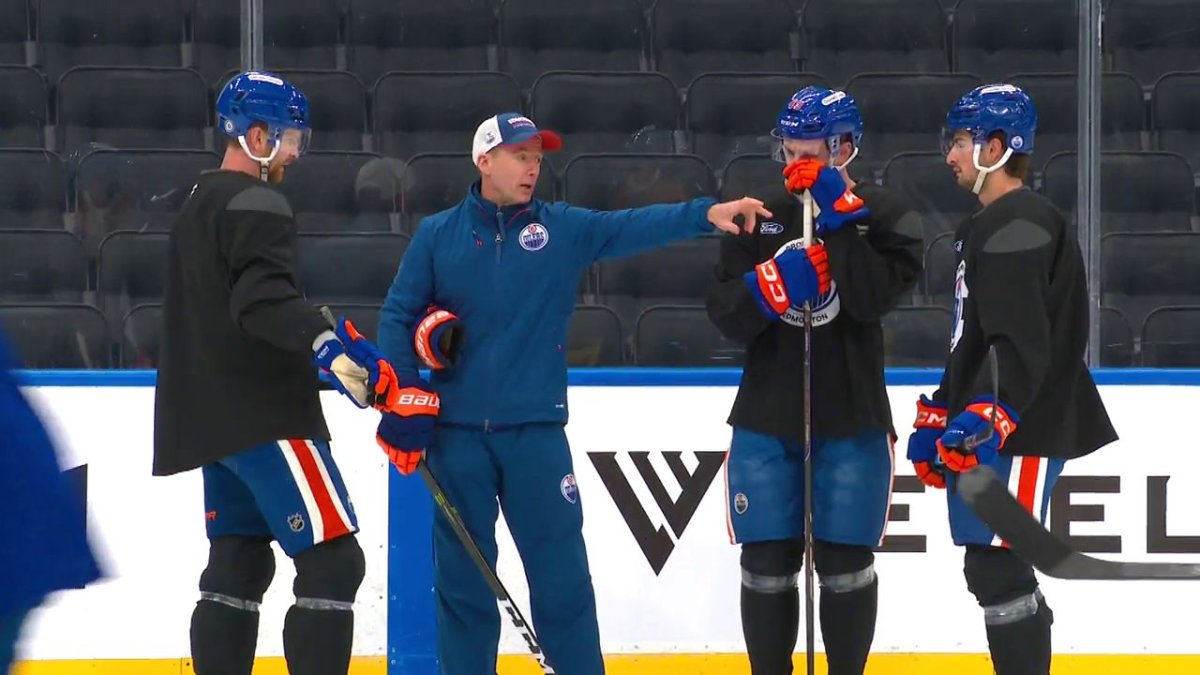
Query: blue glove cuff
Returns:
{"type": "Point", "coordinates": [987, 400]}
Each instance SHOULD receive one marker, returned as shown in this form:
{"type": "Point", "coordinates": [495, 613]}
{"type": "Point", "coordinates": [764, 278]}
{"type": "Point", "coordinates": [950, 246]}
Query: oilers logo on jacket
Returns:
{"type": "Point", "coordinates": [510, 274]}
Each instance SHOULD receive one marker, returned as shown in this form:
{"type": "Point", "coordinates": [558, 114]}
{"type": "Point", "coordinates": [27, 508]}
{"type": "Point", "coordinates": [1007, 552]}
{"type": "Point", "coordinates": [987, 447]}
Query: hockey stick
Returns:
{"type": "Point", "coordinates": [502, 596]}
{"type": "Point", "coordinates": [464, 536]}
{"type": "Point", "coordinates": [810, 639]}
{"type": "Point", "coordinates": [991, 501]}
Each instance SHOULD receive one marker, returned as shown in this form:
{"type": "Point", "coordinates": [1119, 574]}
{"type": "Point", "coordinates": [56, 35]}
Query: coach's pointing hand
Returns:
{"type": "Point", "coordinates": [722, 215]}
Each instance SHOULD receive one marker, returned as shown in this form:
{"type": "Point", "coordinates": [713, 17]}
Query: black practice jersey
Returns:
{"type": "Point", "coordinates": [873, 264]}
{"type": "Point", "coordinates": [1020, 286]}
{"type": "Point", "coordinates": [235, 367]}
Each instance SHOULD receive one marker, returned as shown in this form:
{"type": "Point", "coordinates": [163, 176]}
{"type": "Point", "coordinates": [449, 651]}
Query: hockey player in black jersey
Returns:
{"type": "Point", "coordinates": [237, 397]}
{"type": "Point", "coordinates": [867, 258]}
{"type": "Point", "coordinates": [1019, 287]}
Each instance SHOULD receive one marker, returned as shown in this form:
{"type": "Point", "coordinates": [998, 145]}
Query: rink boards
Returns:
{"type": "Point", "coordinates": [647, 447]}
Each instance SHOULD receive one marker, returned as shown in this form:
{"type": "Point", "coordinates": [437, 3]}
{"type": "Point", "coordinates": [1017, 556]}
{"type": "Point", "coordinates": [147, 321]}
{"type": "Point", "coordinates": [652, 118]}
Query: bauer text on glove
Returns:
{"type": "Point", "coordinates": [406, 429]}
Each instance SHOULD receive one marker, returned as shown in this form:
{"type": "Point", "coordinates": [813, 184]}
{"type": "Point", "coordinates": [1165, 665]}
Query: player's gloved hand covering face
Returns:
{"type": "Point", "coordinates": [438, 338]}
{"type": "Point", "coordinates": [406, 429]}
{"type": "Point", "coordinates": [356, 367]}
{"type": "Point", "coordinates": [922, 443]}
{"type": "Point", "coordinates": [976, 418]}
{"type": "Point", "coordinates": [837, 203]}
{"type": "Point", "coordinates": [794, 276]}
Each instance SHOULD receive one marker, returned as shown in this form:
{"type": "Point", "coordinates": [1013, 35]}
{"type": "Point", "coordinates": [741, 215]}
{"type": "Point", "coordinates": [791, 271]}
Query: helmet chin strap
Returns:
{"type": "Point", "coordinates": [834, 145]}
{"type": "Point", "coordinates": [984, 171]}
{"type": "Point", "coordinates": [264, 163]}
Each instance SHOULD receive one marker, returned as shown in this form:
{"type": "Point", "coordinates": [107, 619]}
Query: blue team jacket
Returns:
{"type": "Point", "coordinates": [43, 543]}
{"type": "Point", "coordinates": [511, 274]}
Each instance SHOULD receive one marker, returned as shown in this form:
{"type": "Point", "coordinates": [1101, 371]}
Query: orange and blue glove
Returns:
{"type": "Point", "coordinates": [922, 443]}
{"type": "Point", "coordinates": [972, 421]}
{"type": "Point", "coordinates": [838, 203]}
{"type": "Point", "coordinates": [794, 276]}
{"type": "Point", "coordinates": [356, 367]}
{"type": "Point", "coordinates": [406, 428]}
{"type": "Point", "coordinates": [438, 338]}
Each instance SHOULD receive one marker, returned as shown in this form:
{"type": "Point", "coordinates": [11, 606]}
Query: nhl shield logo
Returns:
{"type": "Point", "coordinates": [534, 237]}
{"type": "Point", "coordinates": [296, 522]}
{"type": "Point", "coordinates": [568, 488]}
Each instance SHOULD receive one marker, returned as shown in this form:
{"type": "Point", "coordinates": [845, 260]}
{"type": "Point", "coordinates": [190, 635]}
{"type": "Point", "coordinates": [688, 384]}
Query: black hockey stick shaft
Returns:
{"type": "Point", "coordinates": [493, 581]}
{"type": "Point", "coordinates": [810, 639]}
{"type": "Point", "coordinates": [991, 501]}
{"type": "Point", "coordinates": [464, 536]}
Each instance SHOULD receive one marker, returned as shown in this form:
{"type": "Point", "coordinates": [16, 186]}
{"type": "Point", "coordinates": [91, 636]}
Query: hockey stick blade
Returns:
{"type": "Point", "coordinates": [990, 499]}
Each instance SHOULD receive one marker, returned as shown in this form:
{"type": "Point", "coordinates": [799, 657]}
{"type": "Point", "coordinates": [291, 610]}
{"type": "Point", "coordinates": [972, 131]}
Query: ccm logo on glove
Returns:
{"type": "Point", "coordinates": [794, 276]}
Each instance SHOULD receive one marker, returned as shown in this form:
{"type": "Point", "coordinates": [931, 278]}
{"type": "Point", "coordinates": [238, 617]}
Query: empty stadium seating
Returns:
{"type": "Point", "coordinates": [846, 37]}
{"type": "Point", "coordinates": [993, 38]}
{"type": "Point", "coordinates": [542, 35]}
{"type": "Point", "coordinates": [107, 121]}
{"type": "Point", "coordinates": [611, 182]}
{"type": "Point", "coordinates": [412, 35]}
{"type": "Point", "coordinates": [667, 335]}
{"type": "Point", "coordinates": [125, 33]}
{"type": "Point", "coordinates": [23, 111]}
{"type": "Point", "coordinates": [95, 106]}
{"type": "Point", "coordinates": [418, 113]}
{"type": "Point", "coordinates": [42, 266]}
{"type": "Point", "coordinates": [595, 338]}
{"type": "Point", "coordinates": [730, 115]}
{"type": "Point", "coordinates": [1139, 191]}
{"type": "Point", "coordinates": [917, 337]}
{"type": "Point", "coordinates": [58, 335]}
{"type": "Point", "coordinates": [607, 112]}
{"type": "Point", "coordinates": [698, 36]}
{"type": "Point", "coordinates": [33, 189]}
{"type": "Point", "coordinates": [1152, 37]}
{"type": "Point", "coordinates": [135, 189]}
{"type": "Point", "coordinates": [340, 192]}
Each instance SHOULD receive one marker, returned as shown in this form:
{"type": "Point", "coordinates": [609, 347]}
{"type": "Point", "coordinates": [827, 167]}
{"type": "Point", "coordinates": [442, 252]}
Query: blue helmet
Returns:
{"type": "Point", "coordinates": [820, 113]}
{"type": "Point", "coordinates": [991, 108]}
{"type": "Point", "coordinates": [263, 98]}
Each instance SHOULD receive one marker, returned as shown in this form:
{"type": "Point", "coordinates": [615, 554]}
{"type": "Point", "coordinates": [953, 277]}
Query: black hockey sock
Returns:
{"type": "Point", "coordinates": [770, 622]}
{"type": "Point", "coordinates": [1022, 647]}
{"type": "Point", "coordinates": [223, 639]}
{"type": "Point", "coordinates": [318, 641]}
{"type": "Point", "coordinates": [848, 626]}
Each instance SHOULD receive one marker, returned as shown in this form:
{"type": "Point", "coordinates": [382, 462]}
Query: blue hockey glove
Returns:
{"type": "Point", "coordinates": [406, 429]}
{"type": "Point", "coordinates": [922, 443]}
{"type": "Point", "coordinates": [794, 276]}
{"type": "Point", "coordinates": [975, 419]}
{"type": "Point", "coordinates": [838, 204]}
{"type": "Point", "coordinates": [356, 367]}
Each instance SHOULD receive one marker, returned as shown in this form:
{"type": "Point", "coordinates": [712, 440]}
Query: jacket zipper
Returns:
{"type": "Point", "coordinates": [495, 300]}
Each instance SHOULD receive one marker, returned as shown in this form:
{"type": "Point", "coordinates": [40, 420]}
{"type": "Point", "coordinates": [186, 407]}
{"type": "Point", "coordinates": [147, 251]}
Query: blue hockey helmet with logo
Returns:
{"type": "Point", "coordinates": [256, 97]}
{"type": "Point", "coordinates": [819, 113]}
{"type": "Point", "coordinates": [985, 110]}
